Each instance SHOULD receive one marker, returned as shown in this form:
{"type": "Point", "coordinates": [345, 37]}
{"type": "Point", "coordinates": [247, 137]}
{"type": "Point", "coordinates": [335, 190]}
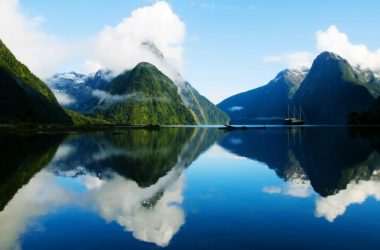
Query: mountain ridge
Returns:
{"type": "Point", "coordinates": [269, 101]}
{"type": "Point", "coordinates": [331, 91]}
{"type": "Point", "coordinates": [346, 88]}
{"type": "Point", "coordinates": [87, 98]}
{"type": "Point", "coordinates": [145, 96]}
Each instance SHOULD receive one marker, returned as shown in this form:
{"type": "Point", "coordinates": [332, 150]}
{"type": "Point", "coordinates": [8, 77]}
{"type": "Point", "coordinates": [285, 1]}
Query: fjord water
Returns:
{"type": "Point", "coordinates": [191, 188]}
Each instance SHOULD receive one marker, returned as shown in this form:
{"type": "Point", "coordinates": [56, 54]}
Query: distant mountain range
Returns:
{"type": "Point", "coordinates": [266, 104]}
{"type": "Point", "coordinates": [328, 93]}
{"type": "Point", "coordinates": [74, 91]}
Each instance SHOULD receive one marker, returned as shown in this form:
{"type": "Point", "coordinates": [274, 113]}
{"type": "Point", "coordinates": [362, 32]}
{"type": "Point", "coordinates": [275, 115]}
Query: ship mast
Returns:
{"type": "Point", "coordinates": [288, 111]}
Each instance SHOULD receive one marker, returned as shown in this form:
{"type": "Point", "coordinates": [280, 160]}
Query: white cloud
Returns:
{"type": "Point", "coordinates": [210, 6]}
{"type": "Point", "coordinates": [357, 54]}
{"type": "Point", "coordinates": [268, 59]}
{"type": "Point", "coordinates": [356, 193]}
{"type": "Point", "coordinates": [117, 48]}
{"type": "Point", "coordinates": [107, 97]}
{"type": "Point", "coordinates": [207, 6]}
{"type": "Point", "coordinates": [298, 189]}
{"type": "Point", "coordinates": [235, 108]}
{"type": "Point", "coordinates": [203, 5]}
{"type": "Point", "coordinates": [120, 47]}
{"type": "Point", "coordinates": [272, 190]}
{"type": "Point", "coordinates": [22, 34]}
{"type": "Point", "coordinates": [292, 60]}
{"type": "Point", "coordinates": [335, 41]}
{"type": "Point", "coordinates": [63, 98]}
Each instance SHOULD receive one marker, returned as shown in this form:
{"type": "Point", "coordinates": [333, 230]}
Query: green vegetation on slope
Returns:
{"type": "Point", "coordinates": [84, 120]}
{"type": "Point", "coordinates": [331, 91]}
{"type": "Point", "coordinates": [203, 110]}
{"type": "Point", "coordinates": [147, 97]}
{"type": "Point", "coordinates": [23, 97]}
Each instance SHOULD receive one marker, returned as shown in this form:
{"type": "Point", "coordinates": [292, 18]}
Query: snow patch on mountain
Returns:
{"type": "Point", "coordinates": [294, 75]}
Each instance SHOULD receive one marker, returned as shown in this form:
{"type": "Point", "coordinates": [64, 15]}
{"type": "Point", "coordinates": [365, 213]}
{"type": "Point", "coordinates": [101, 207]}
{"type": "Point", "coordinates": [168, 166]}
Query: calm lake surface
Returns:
{"type": "Point", "coordinates": [191, 188]}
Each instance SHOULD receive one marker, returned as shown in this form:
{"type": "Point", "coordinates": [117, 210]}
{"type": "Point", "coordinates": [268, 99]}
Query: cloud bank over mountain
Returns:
{"type": "Point", "coordinates": [117, 48]}
{"type": "Point", "coordinates": [23, 35]}
{"type": "Point", "coordinates": [332, 40]}
{"type": "Point", "coordinates": [121, 47]}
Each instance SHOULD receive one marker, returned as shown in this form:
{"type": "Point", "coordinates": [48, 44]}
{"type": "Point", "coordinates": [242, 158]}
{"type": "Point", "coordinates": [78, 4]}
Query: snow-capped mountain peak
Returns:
{"type": "Point", "coordinates": [294, 75]}
{"type": "Point", "coordinates": [69, 76]}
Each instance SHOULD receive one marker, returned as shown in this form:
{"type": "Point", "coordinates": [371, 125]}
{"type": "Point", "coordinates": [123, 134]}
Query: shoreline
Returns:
{"type": "Point", "coordinates": [93, 128]}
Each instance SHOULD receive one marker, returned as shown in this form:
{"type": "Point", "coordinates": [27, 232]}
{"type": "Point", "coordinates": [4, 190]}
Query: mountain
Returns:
{"type": "Point", "coordinates": [372, 80]}
{"type": "Point", "coordinates": [86, 94]}
{"type": "Point", "coordinates": [75, 91]}
{"type": "Point", "coordinates": [266, 103]}
{"type": "Point", "coordinates": [331, 91]}
{"type": "Point", "coordinates": [143, 96]}
{"type": "Point", "coordinates": [23, 97]}
{"type": "Point", "coordinates": [203, 111]}
{"type": "Point", "coordinates": [328, 93]}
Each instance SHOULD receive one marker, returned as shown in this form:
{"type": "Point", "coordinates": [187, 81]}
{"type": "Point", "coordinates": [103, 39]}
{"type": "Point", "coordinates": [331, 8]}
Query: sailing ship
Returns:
{"type": "Point", "coordinates": [294, 120]}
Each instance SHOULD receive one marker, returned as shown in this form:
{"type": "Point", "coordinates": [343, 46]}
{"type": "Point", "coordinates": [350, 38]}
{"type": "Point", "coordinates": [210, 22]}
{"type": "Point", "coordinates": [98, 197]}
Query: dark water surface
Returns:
{"type": "Point", "coordinates": [191, 188]}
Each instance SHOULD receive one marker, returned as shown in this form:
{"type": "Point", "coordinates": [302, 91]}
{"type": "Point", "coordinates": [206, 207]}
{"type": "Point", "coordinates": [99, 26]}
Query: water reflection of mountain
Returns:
{"type": "Point", "coordinates": [22, 156]}
{"type": "Point", "coordinates": [329, 157]}
{"type": "Point", "coordinates": [141, 155]}
{"type": "Point", "coordinates": [132, 177]}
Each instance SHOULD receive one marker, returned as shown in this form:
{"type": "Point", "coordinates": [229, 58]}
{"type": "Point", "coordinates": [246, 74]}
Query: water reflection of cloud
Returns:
{"type": "Point", "coordinates": [39, 197]}
{"type": "Point", "coordinates": [296, 189]}
{"type": "Point", "coordinates": [236, 141]}
{"type": "Point", "coordinates": [63, 152]}
{"type": "Point", "coordinates": [218, 152]}
{"type": "Point", "coordinates": [152, 214]}
{"type": "Point", "coordinates": [123, 201]}
{"type": "Point", "coordinates": [356, 193]}
{"type": "Point", "coordinates": [272, 190]}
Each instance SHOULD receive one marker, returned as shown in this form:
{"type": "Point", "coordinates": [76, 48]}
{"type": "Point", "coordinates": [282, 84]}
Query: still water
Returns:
{"type": "Point", "coordinates": [191, 188]}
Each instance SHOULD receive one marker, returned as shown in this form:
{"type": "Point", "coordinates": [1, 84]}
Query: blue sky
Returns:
{"type": "Point", "coordinates": [226, 42]}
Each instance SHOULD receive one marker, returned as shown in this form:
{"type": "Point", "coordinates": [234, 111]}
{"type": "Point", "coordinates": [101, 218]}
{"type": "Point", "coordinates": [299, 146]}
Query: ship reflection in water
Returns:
{"type": "Point", "coordinates": [189, 188]}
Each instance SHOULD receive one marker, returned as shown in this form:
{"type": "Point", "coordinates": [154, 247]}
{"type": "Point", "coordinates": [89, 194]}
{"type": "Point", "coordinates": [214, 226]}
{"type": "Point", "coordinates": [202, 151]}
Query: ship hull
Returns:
{"type": "Point", "coordinates": [293, 122]}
